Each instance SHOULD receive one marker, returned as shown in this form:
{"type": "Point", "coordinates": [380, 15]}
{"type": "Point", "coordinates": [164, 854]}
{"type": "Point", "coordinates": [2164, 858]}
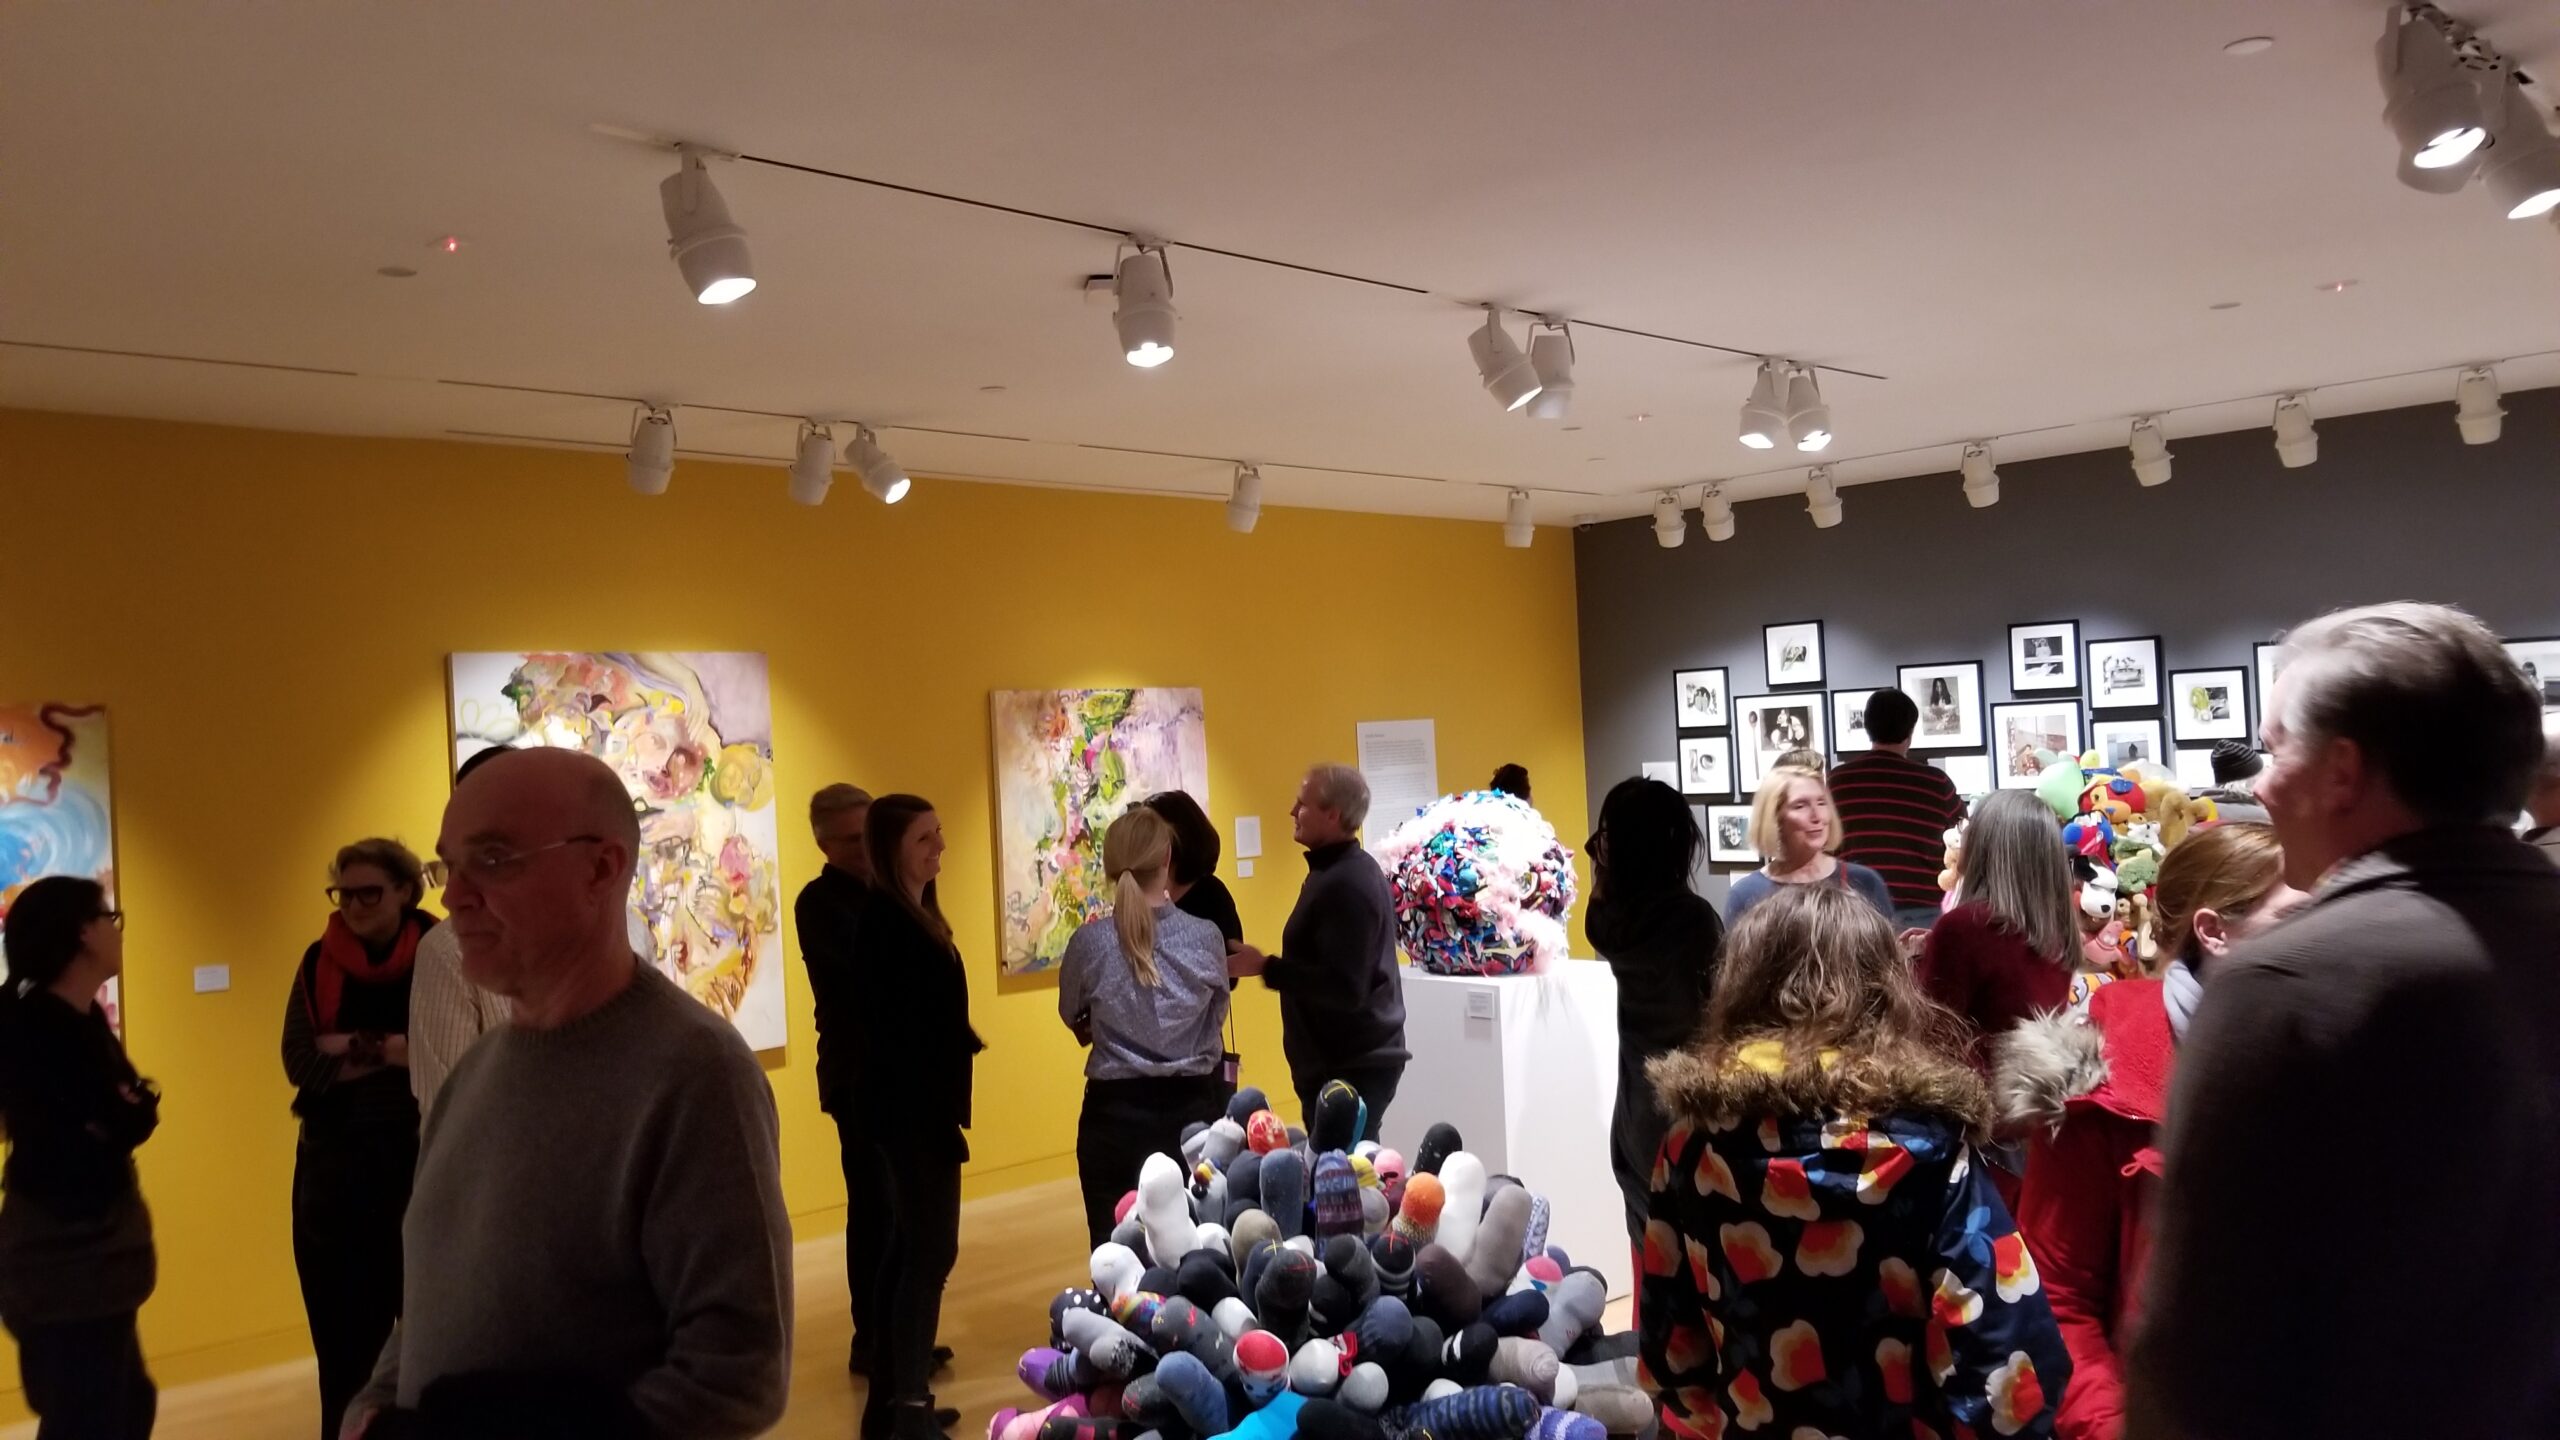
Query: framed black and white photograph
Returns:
{"type": "Point", "coordinates": [1768, 726]}
{"type": "Point", "coordinates": [1698, 699]}
{"type": "Point", "coordinates": [2208, 705]}
{"type": "Point", "coordinates": [2195, 769]}
{"type": "Point", "coordinates": [2124, 674]}
{"type": "Point", "coordinates": [1949, 695]}
{"type": "Point", "coordinates": [2125, 742]}
{"type": "Point", "coordinates": [2028, 735]}
{"type": "Point", "coordinates": [2044, 655]}
{"type": "Point", "coordinates": [1849, 722]}
{"type": "Point", "coordinates": [1970, 774]}
{"type": "Point", "coordinates": [1706, 764]}
{"type": "Point", "coordinates": [1795, 653]}
{"type": "Point", "coordinates": [2540, 660]}
{"type": "Point", "coordinates": [1729, 835]}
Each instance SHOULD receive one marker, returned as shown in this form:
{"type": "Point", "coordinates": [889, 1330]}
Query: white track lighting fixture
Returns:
{"type": "Point", "coordinates": [2431, 98]}
{"type": "Point", "coordinates": [881, 475]}
{"type": "Point", "coordinates": [1145, 315]}
{"type": "Point", "coordinates": [1244, 502]}
{"type": "Point", "coordinates": [708, 247]}
{"type": "Point", "coordinates": [2297, 444]}
{"type": "Point", "coordinates": [1763, 419]}
{"type": "Point", "coordinates": [1517, 528]}
{"type": "Point", "coordinates": [1822, 498]}
{"type": "Point", "coordinates": [2150, 451]}
{"type": "Point", "coordinates": [2522, 165]}
{"type": "Point", "coordinates": [1670, 522]}
{"type": "Point", "coordinates": [814, 469]}
{"type": "Point", "coordinates": [2475, 405]}
{"type": "Point", "coordinates": [1551, 357]}
{"type": "Point", "coordinates": [1808, 419]}
{"type": "Point", "coordinates": [1715, 515]}
{"type": "Point", "coordinates": [1508, 375]}
{"type": "Point", "coordinates": [652, 461]}
{"type": "Point", "coordinates": [1981, 479]}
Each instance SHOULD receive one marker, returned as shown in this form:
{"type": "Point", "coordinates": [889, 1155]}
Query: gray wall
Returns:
{"type": "Point", "coordinates": [2233, 549]}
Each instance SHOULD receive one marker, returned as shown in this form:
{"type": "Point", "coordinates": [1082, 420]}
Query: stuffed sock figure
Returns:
{"type": "Point", "coordinates": [1011, 1424]}
{"type": "Point", "coordinates": [1116, 1269]}
{"type": "Point", "coordinates": [1235, 1319]}
{"type": "Point", "coordinates": [1527, 1364]}
{"type": "Point", "coordinates": [1573, 1309]}
{"type": "Point", "coordinates": [1222, 1142]}
{"type": "Point", "coordinates": [1281, 1298]}
{"type": "Point", "coordinates": [1245, 1230]}
{"type": "Point", "coordinates": [1104, 1343]}
{"type": "Point", "coordinates": [1554, 1424]}
{"type": "Point", "coordinates": [1317, 1369]}
{"type": "Point", "coordinates": [1391, 1170]}
{"type": "Point", "coordinates": [1391, 1255]}
{"type": "Point", "coordinates": [1337, 1196]}
{"type": "Point", "coordinates": [1438, 1144]}
{"type": "Point", "coordinates": [1467, 1356]}
{"type": "Point", "coordinates": [1611, 1394]}
{"type": "Point", "coordinates": [1486, 1412]}
{"type": "Point", "coordinates": [1206, 1277]}
{"type": "Point", "coordinates": [1284, 1191]}
{"type": "Point", "coordinates": [1418, 1220]}
{"type": "Point", "coordinates": [1364, 1389]}
{"type": "Point", "coordinates": [1164, 1204]}
{"type": "Point", "coordinates": [1495, 1256]}
{"type": "Point", "coordinates": [1462, 1177]}
{"type": "Point", "coordinates": [1093, 1300]}
{"type": "Point", "coordinates": [1246, 1103]}
{"type": "Point", "coordinates": [1334, 1420]}
{"type": "Point", "coordinates": [1443, 1290]}
{"type": "Point", "coordinates": [1349, 1283]}
{"type": "Point", "coordinates": [1109, 1425]}
{"type": "Point", "coordinates": [1199, 1397]}
{"type": "Point", "coordinates": [1338, 1117]}
{"type": "Point", "coordinates": [1262, 1365]}
{"type": "Point", "coordinates": [1265, 1132]}
{"type": "Point", "coordinates": [1244, 1186]}
{"type": "Point", "coordinates": [1524, 1314]}
{"type": "Point", "coordinates": [1413, 1368]}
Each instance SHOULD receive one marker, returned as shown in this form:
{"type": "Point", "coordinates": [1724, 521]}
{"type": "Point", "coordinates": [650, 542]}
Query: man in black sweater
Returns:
{"type": "Point", "coordinates": [1341, 995]}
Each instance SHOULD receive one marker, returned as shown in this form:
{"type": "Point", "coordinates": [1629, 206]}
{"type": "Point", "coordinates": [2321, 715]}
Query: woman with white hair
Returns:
{"type": "Point", "coordinates": [1796, 832]}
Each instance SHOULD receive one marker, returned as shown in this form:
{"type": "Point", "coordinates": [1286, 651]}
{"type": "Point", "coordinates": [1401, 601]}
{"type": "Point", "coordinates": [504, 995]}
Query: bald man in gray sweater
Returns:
{"type": "Point", "coordinates": [597, 1244]}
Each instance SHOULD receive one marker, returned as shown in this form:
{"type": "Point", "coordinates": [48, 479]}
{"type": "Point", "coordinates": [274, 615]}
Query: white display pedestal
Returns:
{"type": "Point", "coordinates": [1526, 1066]}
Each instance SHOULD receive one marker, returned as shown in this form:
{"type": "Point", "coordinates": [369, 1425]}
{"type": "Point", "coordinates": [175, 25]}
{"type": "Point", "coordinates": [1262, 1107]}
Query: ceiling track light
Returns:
{"type": "Point", "coordinates": [1551, 359]}
{"type": "Point", "coordinates": [2431, 70]}
{"type": "Point", "coordinates": [652, 460]}
{"type": "Point", "coordinates": [2297, 444]}
{"type": "Point", "coordinates": [709, 249]}
{"type": "Point", "coordinates": [1670, 522]}
{"type": "Point", "coordinates": [813, 468]}
{"type": "Point", "coordinates": [2150, 451]}
{"type": "Point", "coordinates": [1244, 502]}
{"type": "Point", "coordinates": [1145, 314]}
{"type": "Point", "coordinates": [1981, 477]}
{"type": "Point", "coordinates": [1517, 528]}
{"type": "Point", "coordinates": [1715, 514]}
{"type": "Point", "coordinates": [2475, 405]}
{"type": "Point", "coordinates": [1763, 417]}
{"type": "Point", "coordinates": [1808, 419]}
{"type": "Point", "coordinates": [2522, 170]}
{"type": "Point", "coordinates": [1508, 375]}
{"type": "Point", "coordinates": [1822, 498]}
{"type": "Point", "coordinates": [881, 475]}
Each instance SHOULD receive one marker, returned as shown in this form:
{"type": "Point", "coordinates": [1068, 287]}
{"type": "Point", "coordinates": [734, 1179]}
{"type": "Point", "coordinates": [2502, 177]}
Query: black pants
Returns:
{"type": "Point", "coordinates": [923, 1242]}
{"type": "Point", "coordinates": [86, 1381]}
{"type": "Point", "coordinates": [1124, 1122]}
{"type": "Point", "coordinates": [1376, 1084]}
{"type": "Point", "coordinates": [349, 1195]}
{"type": "Point", "coordinates": [866, 1233]}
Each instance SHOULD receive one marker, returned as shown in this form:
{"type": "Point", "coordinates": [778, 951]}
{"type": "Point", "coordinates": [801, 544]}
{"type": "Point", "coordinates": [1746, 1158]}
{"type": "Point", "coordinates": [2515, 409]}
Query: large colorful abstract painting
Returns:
{"type": "Point", "coordinates": [1068, 762]}
{"type": "Point", "coordinates": [54, 812]}
{"type": "Point", "coordinates": [691, 734]}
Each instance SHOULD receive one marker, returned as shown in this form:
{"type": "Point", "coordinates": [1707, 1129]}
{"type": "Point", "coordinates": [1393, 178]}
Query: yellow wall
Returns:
{"type": "Point", "coordinates": [266, 617]}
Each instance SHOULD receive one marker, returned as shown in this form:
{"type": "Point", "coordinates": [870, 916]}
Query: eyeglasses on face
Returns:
{"type": "Point", "coordinates": [112, 917]}
{"type": "Point", "coordinates": [496, 864]}
{"type": "Point", "coordinates": [354, 897]}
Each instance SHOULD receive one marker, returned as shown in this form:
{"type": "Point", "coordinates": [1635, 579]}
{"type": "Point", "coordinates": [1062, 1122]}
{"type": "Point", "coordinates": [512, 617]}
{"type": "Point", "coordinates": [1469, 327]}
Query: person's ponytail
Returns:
{"type": "Point", "coordinates": [1137, 855]}
{"type": "Point", "coordinates": [1135, 919]}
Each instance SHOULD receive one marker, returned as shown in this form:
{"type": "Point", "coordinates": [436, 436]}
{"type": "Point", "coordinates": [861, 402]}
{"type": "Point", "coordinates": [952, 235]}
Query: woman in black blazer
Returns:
{"type": "Point", "coordinates": [911, 1103]}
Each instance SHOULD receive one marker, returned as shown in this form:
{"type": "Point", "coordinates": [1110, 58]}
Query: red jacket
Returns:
{"type": "Point", "coordinates": [1983, 971]}
{"type": "Point", "coordinates": [2095, 1089]}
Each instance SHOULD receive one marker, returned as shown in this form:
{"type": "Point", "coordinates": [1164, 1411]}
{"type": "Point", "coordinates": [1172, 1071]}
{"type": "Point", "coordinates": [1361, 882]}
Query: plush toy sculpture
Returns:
{"type": "Point", "coordinates": [1164, 1206]}
{"type": "Point", "coordinates": [1417, 1223]}
{"type": "Point", "coordinates": [1462, 1176]}
{"type": "Point", "coordinates": [1481, 885]}
{"type": "Point", "coordinates": [1019, 1425]}
{"type": "Point", "coordinates": [1494, 1257]}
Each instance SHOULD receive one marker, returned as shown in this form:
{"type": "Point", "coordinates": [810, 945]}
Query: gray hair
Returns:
{"type": "Point", "coordinates": [2013, 864]}
{"type": "Point", "coordinates": [2429, 696]}
{"type": "Point", "coordinates": [836, 800]}
{"type": "Point", "coordinates": [1342, 790]}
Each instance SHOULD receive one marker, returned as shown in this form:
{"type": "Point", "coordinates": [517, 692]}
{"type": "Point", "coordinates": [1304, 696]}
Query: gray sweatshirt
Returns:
{"type": "Point", "coordinates": [604, 1201]}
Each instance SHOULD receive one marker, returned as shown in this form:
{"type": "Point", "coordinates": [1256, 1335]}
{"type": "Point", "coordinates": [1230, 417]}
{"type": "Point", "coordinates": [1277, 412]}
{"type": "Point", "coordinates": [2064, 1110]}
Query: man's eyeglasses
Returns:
{"type": "Point", "coordinates": [495, 864]}
{"type": "Point", "coordinates": [112, 917]}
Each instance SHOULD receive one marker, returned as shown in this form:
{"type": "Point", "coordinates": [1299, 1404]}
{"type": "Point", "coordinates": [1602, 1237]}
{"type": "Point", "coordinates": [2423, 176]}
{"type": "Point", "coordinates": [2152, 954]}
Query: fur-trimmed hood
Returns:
{"type": "Point", "coordinates": [1718, 1085]}
{"type": "Point", "coordinates": [2042, 1064]}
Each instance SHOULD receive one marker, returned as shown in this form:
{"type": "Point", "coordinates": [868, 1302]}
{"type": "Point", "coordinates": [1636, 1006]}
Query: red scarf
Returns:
{"type": "Point", "coordinates": [343, 957]}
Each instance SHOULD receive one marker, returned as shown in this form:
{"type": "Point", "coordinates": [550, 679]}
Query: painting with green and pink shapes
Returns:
{"type": "Point", "coordinates": [54, 812]}
{"type": "Point", "coordinates": [1068, 763]}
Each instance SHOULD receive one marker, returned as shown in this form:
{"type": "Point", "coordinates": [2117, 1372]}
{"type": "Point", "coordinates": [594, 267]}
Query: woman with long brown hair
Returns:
{"type": "Point", "coordinates": [2093, 1091]}
{"type": "Point", "coordinates": [914, 1056]}
{"type": "Point", "coordinates": [1823, 1253]}
{"type": "Point", "coordinates": [2008, 948]}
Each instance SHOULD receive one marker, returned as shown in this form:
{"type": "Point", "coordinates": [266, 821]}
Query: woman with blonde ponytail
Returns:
{"type": "Point", "coordinates": [1146, 988]}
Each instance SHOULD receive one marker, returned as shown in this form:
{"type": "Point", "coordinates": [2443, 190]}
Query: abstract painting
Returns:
{"type": "Point", "coordinates": [1068, 762]}
{"type": "Point", "coordinates": [691, 735]}
{"type": "Point", "coordinates": [54, 813]}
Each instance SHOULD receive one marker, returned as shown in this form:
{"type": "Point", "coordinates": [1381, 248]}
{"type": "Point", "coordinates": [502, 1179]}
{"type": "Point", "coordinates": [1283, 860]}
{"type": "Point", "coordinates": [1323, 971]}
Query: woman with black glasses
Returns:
{"type": "Point", "coordinates": [76, 1258]}
{"type": "Point", "coordinates": [346, 1050]}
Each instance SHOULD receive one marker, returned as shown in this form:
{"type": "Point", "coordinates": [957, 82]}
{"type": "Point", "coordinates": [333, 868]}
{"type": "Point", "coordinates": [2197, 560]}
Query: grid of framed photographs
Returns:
{"type": "Point", "coordinates": [1701, 714]}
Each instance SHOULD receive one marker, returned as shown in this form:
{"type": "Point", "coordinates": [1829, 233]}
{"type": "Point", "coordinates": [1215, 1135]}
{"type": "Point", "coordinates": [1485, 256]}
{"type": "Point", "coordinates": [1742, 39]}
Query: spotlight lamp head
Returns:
{"type": "Point", "coordinates": [1244, 502]}
{"type": "Point", "coordinates": [709, 249]}
{"type": "Point", "coordinates": [2522, 169]}
{"type": "Point", "coordinates": [1508, 375]}
{"type": "Point", "coordinates": [1981, 478]}
{"type": "Point", "coordinates": [813, 467]}
{"type": "Point", "coordinates": [652, 460]}
{"type": "Point", "coordinates": [2297, 444]}
{"type": "Point", "coordinates": [1144, 315]}
{"type": "Point", "coordinates": [1822, 498]}
{"type": "Point", "coordinates": [881, 475]}
{"type": "Point", "coordinates": [2431, 99]}
{"type": "Point", "coordinates": [1551, 360]}
{"type": "Point", "coordinates": [1670, 522]}
{"type": "Point", "coordinates": [1715, 515]}
{"type": "Point", "coordinates": [1517, 528]}
{"type": "Point", "coordinates": [1764, 417]}
{"type": "Point", "coordinates": [2150, 451]}
{"type": "Point", "coordinates": [1808, 419]}
{"type": "Point", "coordinates": [2476, 410]}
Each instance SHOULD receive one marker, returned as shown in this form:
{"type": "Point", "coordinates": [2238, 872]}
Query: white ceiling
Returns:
{"type": "Point", "coordinates": [2016, 211]}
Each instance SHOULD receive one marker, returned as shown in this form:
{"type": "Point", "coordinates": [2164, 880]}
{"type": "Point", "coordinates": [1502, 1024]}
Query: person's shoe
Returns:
{"type": "Point", "coordinates": [944, 1417]}
{"type": "Point", "coordinates": [920, 1420]}
{"type": "Point", "coordinates": [941, 1358]}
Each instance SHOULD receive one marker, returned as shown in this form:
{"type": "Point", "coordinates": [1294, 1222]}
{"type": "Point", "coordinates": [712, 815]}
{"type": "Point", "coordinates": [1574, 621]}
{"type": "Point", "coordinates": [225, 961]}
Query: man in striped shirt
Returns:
{"type": "Point", "coordinates": [1894, 811]}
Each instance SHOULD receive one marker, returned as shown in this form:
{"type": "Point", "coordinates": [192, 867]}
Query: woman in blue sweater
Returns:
{"type": "Point", "coordinates": [1795, 831]}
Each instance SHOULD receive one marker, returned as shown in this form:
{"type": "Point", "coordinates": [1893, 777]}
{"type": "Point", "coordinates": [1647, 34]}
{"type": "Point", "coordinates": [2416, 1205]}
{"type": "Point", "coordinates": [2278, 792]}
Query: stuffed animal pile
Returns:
{"type": "Point", "coordinates": [1268, 1284]}
{"type": "Point", "coordinates": [2117, 826]}
{"type": "Point", "coordinates": [1481, 885]}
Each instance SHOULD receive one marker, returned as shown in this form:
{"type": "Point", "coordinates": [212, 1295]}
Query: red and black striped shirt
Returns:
{"type": "Point", "coordinates": [1894, 812]}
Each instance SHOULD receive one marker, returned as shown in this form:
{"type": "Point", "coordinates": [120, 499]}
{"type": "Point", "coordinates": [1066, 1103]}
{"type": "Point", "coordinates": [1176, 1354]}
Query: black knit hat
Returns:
{"type": "Point", "coordinates": [2234, 760]}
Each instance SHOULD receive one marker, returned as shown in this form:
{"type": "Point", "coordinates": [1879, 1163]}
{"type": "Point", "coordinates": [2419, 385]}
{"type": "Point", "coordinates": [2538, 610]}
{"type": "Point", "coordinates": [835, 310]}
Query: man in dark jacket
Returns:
{"type": "Point", "coordinates": [2356, 1230]}
{"type": "Point", "coordinates": [1341, 994]}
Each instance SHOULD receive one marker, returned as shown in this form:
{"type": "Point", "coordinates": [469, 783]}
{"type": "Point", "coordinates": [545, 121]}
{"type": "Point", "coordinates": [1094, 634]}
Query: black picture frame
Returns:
{"type": "Point", "coordinates": [1969, 733]}
{"type": "Point", "coordinates": [2063, 682]}
{"type": "Point", "coordinates": [2008, 776]}
{"type": "Point", "coordinates": [1681, 710]}
{"type": "Point", "coordinates": [2533, 655]}
{"type": "Point", "coordinates": [2184, 729]}
{"type": "Point", "coordinates": [1841, 730]}
{"type": "Point", "coordinates": [1818, 659]}
{"type": "Point", "coordinates": [2099, 686]}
